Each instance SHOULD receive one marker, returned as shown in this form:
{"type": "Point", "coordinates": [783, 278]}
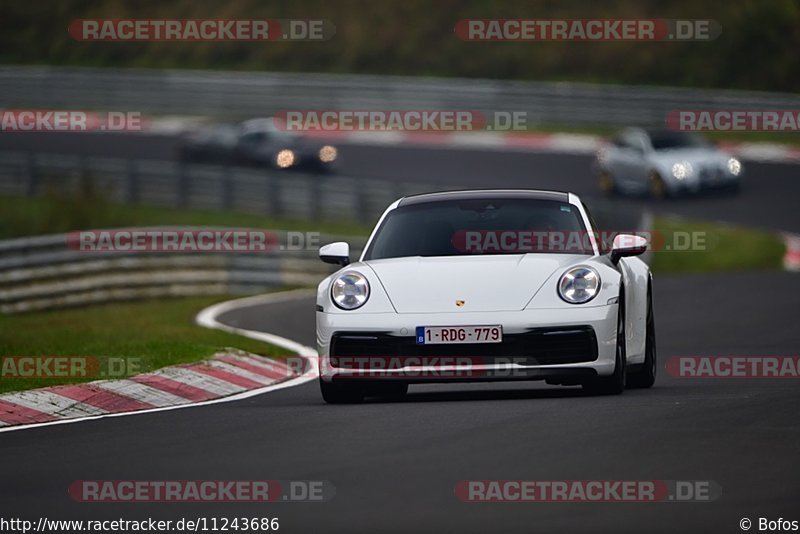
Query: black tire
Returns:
{"type": "Point", "coordinates": [614, 384]}
{"type": "Point", "coordinates": [392, 391]}
{"type": "Point", "coordinates": [335, 393]}
{"type": "Point", "coordinates": [646, 377]}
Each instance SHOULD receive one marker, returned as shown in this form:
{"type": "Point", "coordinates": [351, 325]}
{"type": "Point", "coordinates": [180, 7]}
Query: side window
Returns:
{"type": "Point", "coordinates": [634, 142]}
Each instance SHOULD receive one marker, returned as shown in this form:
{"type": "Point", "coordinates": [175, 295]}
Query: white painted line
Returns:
{"type": "Point", "coordinates": [52, 403]}
{"type": "Point", "coordinates": [208, 318]}
{"type": "Point", "coordinates": [141, 392]}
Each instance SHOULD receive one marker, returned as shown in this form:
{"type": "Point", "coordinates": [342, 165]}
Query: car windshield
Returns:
{"type": "Point", "coordinates": [481, 227]}
{"type": "Point", "coordinates": [676, 140]}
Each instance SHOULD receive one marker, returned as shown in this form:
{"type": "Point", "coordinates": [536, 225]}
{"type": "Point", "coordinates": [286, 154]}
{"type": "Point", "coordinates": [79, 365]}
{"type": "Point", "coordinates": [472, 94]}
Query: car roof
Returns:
{"type": "Point", "coordinates": [477, 194]}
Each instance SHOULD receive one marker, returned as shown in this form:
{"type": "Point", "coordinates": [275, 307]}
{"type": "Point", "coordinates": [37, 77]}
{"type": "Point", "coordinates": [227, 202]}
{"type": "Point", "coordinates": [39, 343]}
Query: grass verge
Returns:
{"type": "Point", "coordinates": [138, 337]}
{"type": "Point", "coordinates": [714, 247]}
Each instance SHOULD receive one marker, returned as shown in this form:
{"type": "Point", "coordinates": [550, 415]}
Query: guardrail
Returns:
{"type": "Point", "coordinates": [43, 272]}
{"type": "Point", "coordinates": [174, 184]}
{"type": "Point", "coordinates": [238, 94]}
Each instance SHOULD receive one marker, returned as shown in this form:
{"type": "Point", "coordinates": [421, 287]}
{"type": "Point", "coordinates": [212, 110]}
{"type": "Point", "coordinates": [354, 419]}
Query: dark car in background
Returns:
{"type": "Point", "coordinates": [258, 142]}
{"type": "Point", "coordinates": [212, 143]}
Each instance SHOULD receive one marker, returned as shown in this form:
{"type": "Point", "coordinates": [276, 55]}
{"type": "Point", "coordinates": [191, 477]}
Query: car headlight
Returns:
{"type": "Point", "coordinates": [734, 166]}
{"type": "Point", "coordinates": [285, 158]}
{"type": "Point", "coordinates": [327, 154]}
{"type": "Point", "coordinates": [579, 285]}
{"type": "Point", "coordinates": [350, 290]}
{"type": "Point", "coordinates": [682, 170]}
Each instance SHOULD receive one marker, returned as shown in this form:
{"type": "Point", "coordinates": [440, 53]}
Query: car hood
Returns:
{"type": "Point", "coordinates": [484, 283]}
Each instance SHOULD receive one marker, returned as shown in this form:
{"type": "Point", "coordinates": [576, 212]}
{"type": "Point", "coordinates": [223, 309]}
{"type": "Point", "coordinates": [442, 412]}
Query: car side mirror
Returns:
{"type": "Point", "coordinates": [627, 245]}
{"type": "Point", "coordinates": [337, 253]}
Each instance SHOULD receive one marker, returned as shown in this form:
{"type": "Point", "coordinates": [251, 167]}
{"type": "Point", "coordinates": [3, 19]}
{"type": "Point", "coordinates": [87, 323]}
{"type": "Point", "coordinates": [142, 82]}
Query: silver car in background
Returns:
{"type": "Point", "coordinates": [665, 163]}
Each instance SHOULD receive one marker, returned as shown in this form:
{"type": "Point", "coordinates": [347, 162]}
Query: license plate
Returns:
{"type": "Point", "coordinates": [437, 335]}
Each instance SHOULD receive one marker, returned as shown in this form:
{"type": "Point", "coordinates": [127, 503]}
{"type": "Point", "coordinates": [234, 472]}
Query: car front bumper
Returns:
{"type": "Point", "coordinates": [520, 357]}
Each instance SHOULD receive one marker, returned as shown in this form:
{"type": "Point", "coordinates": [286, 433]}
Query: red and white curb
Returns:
{"type": "Point", "coordinates": [228, 376]}
{"type": "Point", "coordinates": [791, 259]}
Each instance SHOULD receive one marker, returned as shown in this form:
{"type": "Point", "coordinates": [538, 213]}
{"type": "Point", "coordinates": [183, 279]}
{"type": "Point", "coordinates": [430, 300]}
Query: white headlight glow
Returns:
{"type": "Point", "coordinates": [579, 285]}
{"type": "Point", "coordinates": [350, 290]}
{"type": "Point", "coordinates": [682, 170]}
{"type": "Point", "coordinates": [734, 166]}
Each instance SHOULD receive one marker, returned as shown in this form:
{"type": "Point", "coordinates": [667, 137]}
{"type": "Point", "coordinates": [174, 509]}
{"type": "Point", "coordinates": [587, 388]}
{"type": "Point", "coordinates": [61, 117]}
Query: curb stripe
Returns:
{"type": "Point", "coordinates": [100, 398]}
{"type": "Point", "coordinates": [47, 401]}
{"type": "Point", "coordinates": [15, 414]}
{"type": "Point", "coordinates": [227, 376]}
{"type": "Point", "coordinates": [255, 366]}
{"type": "Point", "coordinates": [141, 392]}
{"type": "Point", "coordinates": [791, 259]}
{"type": "Point", "coordinates": [188, 375]}
{"type": "Point", "coordinates": [173, 386]}
{"type": "Point", "coordinates": [240, 372]}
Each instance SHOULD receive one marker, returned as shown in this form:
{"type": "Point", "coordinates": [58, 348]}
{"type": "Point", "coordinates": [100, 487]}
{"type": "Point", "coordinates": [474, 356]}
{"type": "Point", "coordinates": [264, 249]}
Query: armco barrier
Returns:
{"type": "Point", "coordinates": [42, 272]}
{"type": "Point", "coordinates": [174, 184]}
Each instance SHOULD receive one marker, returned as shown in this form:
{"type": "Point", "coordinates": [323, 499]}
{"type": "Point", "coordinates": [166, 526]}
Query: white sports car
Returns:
{"type": "Point", "coordinates": [665, 163]}
{"type": "Point", "coordinates": [485, 285]}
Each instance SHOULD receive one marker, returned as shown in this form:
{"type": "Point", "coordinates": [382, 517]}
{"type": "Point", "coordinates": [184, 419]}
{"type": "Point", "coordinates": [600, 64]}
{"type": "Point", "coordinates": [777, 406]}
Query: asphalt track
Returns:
{"type": "Point", "coordinates": [768, 201]}
{"type": "Point", "coordinates": [395, 465]}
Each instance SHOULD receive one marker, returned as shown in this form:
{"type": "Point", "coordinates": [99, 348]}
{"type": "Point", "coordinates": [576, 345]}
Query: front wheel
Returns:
{"type": "Point", "coordinates": [658, 189]}
{"type": "Point", "coordinates": [615, 383]}
{"type": "Point", "coordinates": [336, 393]}
{"type": "Point", "coordinates": [647, 376]}
{"type": "Point", "coordinates": [606, 183]}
